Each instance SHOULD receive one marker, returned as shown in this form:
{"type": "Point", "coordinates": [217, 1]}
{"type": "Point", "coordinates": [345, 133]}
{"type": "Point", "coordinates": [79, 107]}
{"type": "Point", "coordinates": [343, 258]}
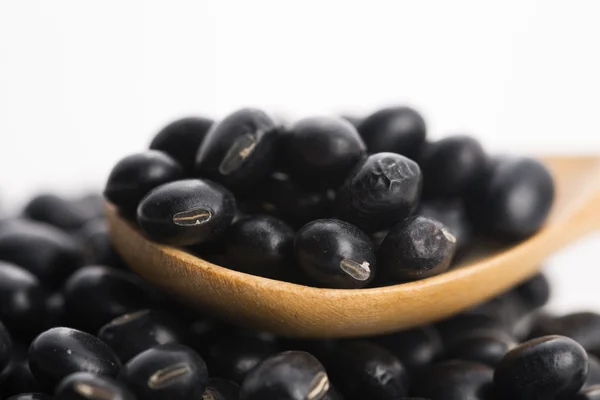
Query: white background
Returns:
{"type": "Point", "coordinates": [82, 83]}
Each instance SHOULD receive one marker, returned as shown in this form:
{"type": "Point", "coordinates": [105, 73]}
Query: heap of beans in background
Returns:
{"type": "Point", "coordinates": [335, 200]}
{"type": "Point", "coordinates": [76, 325]}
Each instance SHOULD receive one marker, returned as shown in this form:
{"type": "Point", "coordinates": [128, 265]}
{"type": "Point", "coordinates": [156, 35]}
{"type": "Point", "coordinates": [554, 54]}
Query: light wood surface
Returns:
{"type": "Point", "coordinates": [301, 311]}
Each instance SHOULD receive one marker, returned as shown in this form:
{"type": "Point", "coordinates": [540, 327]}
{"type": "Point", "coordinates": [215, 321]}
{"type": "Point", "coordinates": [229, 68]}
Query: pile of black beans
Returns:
{"type": "Point", "coordinates": [327, 201]}
{"type": "Point", "coordinates": [75, 324]}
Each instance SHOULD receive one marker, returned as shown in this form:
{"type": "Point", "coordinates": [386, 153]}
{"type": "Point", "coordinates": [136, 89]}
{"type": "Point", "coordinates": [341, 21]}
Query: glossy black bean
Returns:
{"type": "Point", "coordinates": [181, 139]}
{"type": "Point", "coordinates": [166, 372]}
{"type": "Point", "coordinates": [511, 202]}
{"type": "Point", "coordinates": [484, 348]}
{"type": "Point", "coordinates": [415, 348]}
{"type": "Point", "coordinates": [335, 253]}
{"type": "Point", "coordinates": [321, 151]}
{"type": "Point", "coordinates": [6, 351]}
{"type": "Point", "coordinates": [22, 300]}
{"type": "Point", "coordinates": [19, 379]}
{"type": "Point", "coordinates": [451, 165]}
{"type": "Point", "coordinates": [260, 245]}
{"type": "Point", "coordinates": [96, 295]}
{"type": "Point", "coordinates": [590, 393]}
{"type": "Point", "coordinates": [593, 376]}
{"type": "Point", "coordinates": [30, 396]}
{"type": "Point", "coordinates": [543, 368]}
{"type": "Point", "coordinates": [291, 375]}
{"type": "Point", "coordinates": [97, 245]}
{"type": "Point", "coordinates": [464, 326]}
{"type": "Point", "coordinates": [130, 334]}
{"type": "Point", "coordinates": [535, 292]}
{"type": "Point", "coordinates": [43, 250]}
{"type": "Point", "coordinates": [452, 214]}
{"type": "Point", "coordinates": [59, 352]}
{"type": "Point", "coordinates": [416, 248]}
{"type": "Point", "coordinates": [381, 191]}
{"type": "Point", "coordinates": [399, 130]}
{"type": "Point", "coordinates": [583, 327]}
{"type": "Point", "coordinates": [239, 150]}
{"type": "Point", "coordinates": [186, 212]}
{"type": "Point", "coordinates": [279, 196]}
{"type": "Point", "coordinates": [234, 356]}
{"type": "Point", "coordinates": [221, 389]}
{"type": "Point", "coordinates": [87, 386]}
{"type": "Point", "coordinates": [357, 368]}
{"type": "Point", "coordinates": [454, 380]}
{"type": "Point", "coordinates": [58, 211]}
{"type": "Point", "coordinates": [136, 175]}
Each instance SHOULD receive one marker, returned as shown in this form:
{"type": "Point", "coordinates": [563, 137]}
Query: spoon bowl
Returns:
{"type": "Point", "coordinates": [294, 310]}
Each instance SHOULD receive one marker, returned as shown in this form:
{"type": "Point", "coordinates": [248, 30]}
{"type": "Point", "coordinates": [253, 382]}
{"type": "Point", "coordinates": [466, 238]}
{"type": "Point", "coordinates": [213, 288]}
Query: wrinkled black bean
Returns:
{"type": "Point", "coordinates": [382, 190]}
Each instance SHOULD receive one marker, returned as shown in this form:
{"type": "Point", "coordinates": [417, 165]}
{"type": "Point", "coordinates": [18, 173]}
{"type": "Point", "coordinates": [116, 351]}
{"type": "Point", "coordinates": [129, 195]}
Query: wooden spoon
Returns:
{"type": "Point", "coordinates": [294, 310]}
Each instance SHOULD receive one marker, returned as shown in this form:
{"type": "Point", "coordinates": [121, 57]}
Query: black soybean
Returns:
{"type": "Point", "coordinates": [510, 311]}
{"type": "Point", "coordinates": [186, 212]}
{"type": "Point", "coordinates": [464, 326]}
{"type": "Point", "coordinates": [453, 215]}
{"type": "Point", "coordinates": [583, 327]}
{"type": "Point", "coordinates": [96, 295]}
{"type": "Point", "coordinates": [416, 248]}
{"type": "Point", "coordinates": [181, 139]}
{"type": "Point", "coordinates": [86, 386]}
{"type": "Point", "coordinates": [335, 253]}
{"type": "Point", "coordinates": [451, 165]}
{"type": "Point", "coordinates": [356, 368]}
{"type": "Point", "coordinates": [130, 334]}
{"type": "Point", "coordinates": [60, 212]}
{"type": "Point", "coordinates": [415, 348]}
{"type": "Point", "coordinates": [233, 356]}
{"type": "Point", "coordinates": [321, 151]}
{"type": "Point", "coordinates": [239, 150]}
{"type": "Point", "coordinates": [382, 190]}
{"type": "Point", "coordinates": [260, 245]}
{"type": "Point", "coordinates": [45, 251]}
{"type": "Point", "coordinates": [137, 174]}
{"type": "Point", "coordinates": [166, 372]}
{"type": "Point", "coordinates": [542, 368]}
{"type": "Point", "coordinates": [291, 375]}
{"type": "Point", "coordinates": [22, 300]}
{"type": "Point", "coordinates": [59, 352]}
{"type": "Point", "coordinates": [221, 389]}
{"type": "Point", "coordinates": [511, 202]}
{"type": "Point", "coordinates": [535, 291]}
{"type": "Point", "coordinates": [485, 349]}
{"type": "Point", "coordinates": [400, 130]}
{"type": "Point", "coordinates": [455, 380]}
